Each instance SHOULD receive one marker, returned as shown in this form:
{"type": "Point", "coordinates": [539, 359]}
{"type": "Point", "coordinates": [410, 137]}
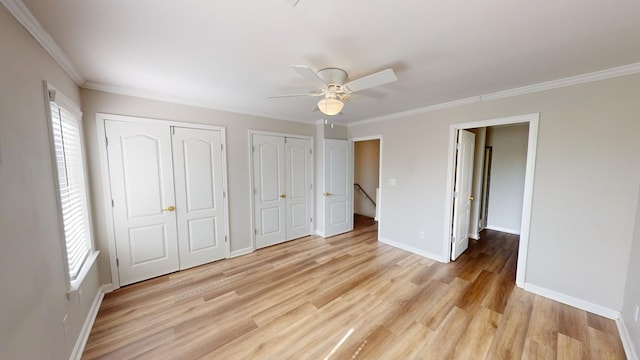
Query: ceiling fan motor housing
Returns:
{"type": "Point", "coordinates": [333, 76]}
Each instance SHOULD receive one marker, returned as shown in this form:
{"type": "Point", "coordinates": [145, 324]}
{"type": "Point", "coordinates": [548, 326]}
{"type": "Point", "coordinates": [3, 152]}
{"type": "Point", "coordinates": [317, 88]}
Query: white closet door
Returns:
{"type": "Point", "coordinates": [298, 193]}
{"type": "Point", "coordinates": [142, 189]}
{"type": "Point", "coordinates": [269, 190]}
{"type": "Point", "coordinates": [338, 195]}
{"type": "Point", "coordinates": [198, 164]}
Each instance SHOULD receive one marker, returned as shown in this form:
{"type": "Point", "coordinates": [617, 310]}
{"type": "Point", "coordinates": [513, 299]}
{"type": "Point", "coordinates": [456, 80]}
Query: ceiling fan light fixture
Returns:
{"type": "Point", "coordinates": [330, 106]}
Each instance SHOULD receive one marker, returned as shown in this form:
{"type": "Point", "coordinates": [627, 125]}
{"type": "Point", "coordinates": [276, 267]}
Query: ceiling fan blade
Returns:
{"type": "Point", "coordinates": [310, 75]}
{"type": "Point", "coordinates": [312, 93]}
{"type": "Point", "coordinates": [369, 81]}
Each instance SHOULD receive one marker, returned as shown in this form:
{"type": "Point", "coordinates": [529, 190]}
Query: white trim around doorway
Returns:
{"type": "Point", "coordinates": [532, 120]}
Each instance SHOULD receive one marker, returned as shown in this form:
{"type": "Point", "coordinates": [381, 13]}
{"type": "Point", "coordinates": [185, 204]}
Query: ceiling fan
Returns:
{"type": "Point", "coordinates": [333, 88]}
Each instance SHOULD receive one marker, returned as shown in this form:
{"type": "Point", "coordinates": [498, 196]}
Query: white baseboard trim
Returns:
{"type": "Point", "coordinates": [240, 252]}
{"type": "Point", "coordinates": [572, 301]}
{"type": "Point", "coordinates": [107, 288]}
{"type": "Point", "coordinates": [475, 236]}
{"type": "Point", "coordinates": [414, 250]}
{"type": "Point", "coordinates": [625, 337]}
{"type": "Point", "coordinates": [320, 233]}
{"type": "Point", "coordinates": [81, 342]}
{"type": "Point", "coordinates": [504, 230]}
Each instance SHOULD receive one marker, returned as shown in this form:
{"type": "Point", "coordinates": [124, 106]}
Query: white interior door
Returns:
{"type": "Point", "coordinates": [269, 190]}
{"type": "Point", "coordinates": [298, 186]}
{"type": "Point", "coordinates": [198, 164]}
{"type": "Point", "coordinates": [338, 194]}
{"type": "Point", "coordinates": [462, 193]}
{"type": "Point", "coordinates": [143, 200]}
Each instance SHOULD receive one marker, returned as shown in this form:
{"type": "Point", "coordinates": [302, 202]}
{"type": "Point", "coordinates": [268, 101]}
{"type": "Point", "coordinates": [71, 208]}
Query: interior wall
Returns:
{"type": "Point", "coordinates": [238, 167]}
{"type": "Point", "coordinates": [366, 173]}
{"type": "Point", "coordinates": [506, 188]}
{"type": "Point", "coordinates": [632, 289]}
{"type": "Point", "coordinates": [476, 187]}
{"type": "Point", "coordinates": [584, 192]}
{"type": "Point", "coordinates": [32, 271]}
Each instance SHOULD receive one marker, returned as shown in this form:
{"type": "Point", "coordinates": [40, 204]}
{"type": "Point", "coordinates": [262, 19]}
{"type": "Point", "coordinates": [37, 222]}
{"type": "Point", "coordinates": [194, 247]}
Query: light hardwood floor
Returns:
{"type": "Point", "coordinates": [348, 297]}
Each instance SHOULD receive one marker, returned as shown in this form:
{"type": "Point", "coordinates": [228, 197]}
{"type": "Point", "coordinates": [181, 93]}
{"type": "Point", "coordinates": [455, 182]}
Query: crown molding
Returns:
{"type": "Point", "coordinates": [427, 109]}
{"type": "Point", "coordinates": [20, 11]}
{"type": "Point", "coordinates": [92, 85]}
{"type": "Point", "coordinates": [568, 81]}
{"type": "Point", "coordinates": [625, 70]}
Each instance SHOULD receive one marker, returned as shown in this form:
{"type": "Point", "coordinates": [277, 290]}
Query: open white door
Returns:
{"type": "Point", "coordinates": [198, 164]}
{"type": "Point", "coordinates": [143, 200]}
{"type": "Point", "coordinates": [462, 193]}
{"type": "Point", "coordinates": [298, 164]}
{"type": "Point", "coordinates": [269, 190]}
{"type": "Point", "coordinates": [338, 194]}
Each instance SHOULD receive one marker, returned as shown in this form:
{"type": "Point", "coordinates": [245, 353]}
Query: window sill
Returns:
{"type": "Point", "coordinates": [75, 285]}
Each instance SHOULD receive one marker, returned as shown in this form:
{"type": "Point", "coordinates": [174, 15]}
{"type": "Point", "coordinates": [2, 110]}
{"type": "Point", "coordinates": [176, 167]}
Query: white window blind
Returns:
{"type": "Point", "coordinates": [73, 200]}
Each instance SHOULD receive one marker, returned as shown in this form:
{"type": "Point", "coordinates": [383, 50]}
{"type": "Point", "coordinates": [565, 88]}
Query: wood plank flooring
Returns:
{"type": "Point", "coordinates": [348, 297]}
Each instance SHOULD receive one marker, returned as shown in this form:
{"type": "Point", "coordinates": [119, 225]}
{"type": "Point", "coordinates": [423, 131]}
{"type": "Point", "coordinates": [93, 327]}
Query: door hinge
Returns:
{"type": "Point", "coordinates": [453, 239]}
{"type": "Point", "coordinates": [253, 148]}
{"type": "Point", "coordinates": [311, 219]}
{"type": "Point", "coordinates": [255, 191]}
{"type": "Point", "coordinates": [455, 194]}
{"type": "Point", "coordinates": [113, 204]}
{"type": "Point", "coordinates": [106, 139]}
{"type": "Point", "coordinates": [226, 239]}
{"type": "Point", "coordinates": [117, 262]}
{"type": "Point", "coordinates": [458, 146]}
{"type": "Point", "coordinates": [311, 151]}
{"type": "Point", "coordinates": [221, 147]}
{"type": "Point", "coordinates": [224, 194]}
{"type": "Point", "coordinates": [173, 130]}
{"type": "Point", "coordinates": [311, 186]}
{"type": "Point", "coordinates": [256, 231]}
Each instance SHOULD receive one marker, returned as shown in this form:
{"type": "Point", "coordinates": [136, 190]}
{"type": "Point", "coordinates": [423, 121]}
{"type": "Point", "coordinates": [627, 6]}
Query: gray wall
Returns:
{"type": "Point", "coordinates": [584, 195]}
{"type": "Point", "coordinates": [366, 173]}
{"type": "Point", "coordinates": [632, 290]}
{"type": "Point", "coordinates": [237, 129]}
{"type": "Point", "coordinates": [33, 298]}
{"type": "Point", "coordinates": [506, 187]}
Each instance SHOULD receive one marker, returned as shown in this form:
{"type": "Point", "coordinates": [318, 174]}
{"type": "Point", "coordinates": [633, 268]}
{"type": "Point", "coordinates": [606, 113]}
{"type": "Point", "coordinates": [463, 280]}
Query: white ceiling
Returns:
{"type": "Point", "coordinates": [232, 55]}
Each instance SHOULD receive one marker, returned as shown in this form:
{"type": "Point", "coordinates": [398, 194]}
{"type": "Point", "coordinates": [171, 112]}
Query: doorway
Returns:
{"type": "Point", "coordinates": [530, 119]}
{"type": "Point", "coordinates": [367, 175]}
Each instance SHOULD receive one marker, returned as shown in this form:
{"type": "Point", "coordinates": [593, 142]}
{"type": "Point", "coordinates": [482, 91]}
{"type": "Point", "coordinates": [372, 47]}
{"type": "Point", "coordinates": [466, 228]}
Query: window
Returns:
{"type": "Point", "coordinates": [66, 133]}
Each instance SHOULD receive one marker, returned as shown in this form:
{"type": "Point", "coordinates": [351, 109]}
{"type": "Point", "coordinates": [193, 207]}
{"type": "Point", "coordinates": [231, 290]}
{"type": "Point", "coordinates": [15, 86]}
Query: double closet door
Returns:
{"type": "Point", "coordinates": [167, 186]}
{"type": "Point", "coordinates": [282, 188]}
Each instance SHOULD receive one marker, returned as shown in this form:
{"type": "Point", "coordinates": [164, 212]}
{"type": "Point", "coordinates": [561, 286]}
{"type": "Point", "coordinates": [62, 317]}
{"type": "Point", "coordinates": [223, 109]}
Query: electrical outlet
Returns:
{"type": "Point", "coordinates": [636, 313]}
{"type": "Point", "coordinates": [421, 234]}
{"type": "Point", "coordinates": [392, 182]}
{"type": "Point", "coordinates": [65, 325]}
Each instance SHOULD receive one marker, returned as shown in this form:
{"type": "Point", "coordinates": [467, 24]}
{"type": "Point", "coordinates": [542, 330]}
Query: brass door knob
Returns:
{"type": "Point", "coordinates": [170, 208]}
{"type": "Point", "coordinates": [327, 194]}
{"type": "Point", "coordinates": [283, 196]}
{"type": "Point", "coordinates": [471, 198]}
